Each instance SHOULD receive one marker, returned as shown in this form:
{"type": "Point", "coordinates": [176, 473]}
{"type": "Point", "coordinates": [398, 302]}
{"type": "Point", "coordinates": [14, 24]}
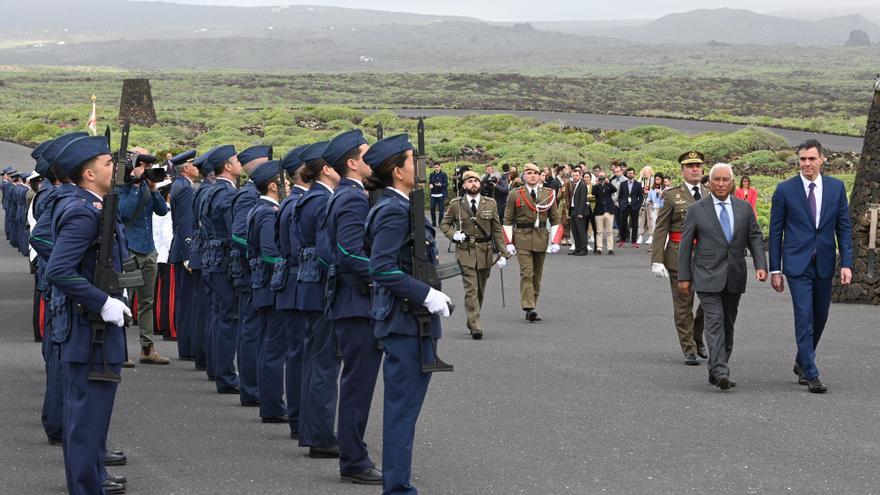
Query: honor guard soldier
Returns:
{"type": "Point", "coordinates": [471, 222]}
{"type": "Point", "coordinates": [317, 414]}
{"type": "Point", "coordinates": [264, 254]}
{"type": "Point", "coordinates": [395, 294]}
{"type": "Point", "coordinates": [182, 194]}
{"type": "Point", "coordinates": [528, 210]}
{"type": "Point", "coordinates": [348, 303]}
{"type": "Point", "coordinates": [203, 315]}
{"type": "Point", "coordinates": [5, 186]}
{"type": "Point", "coordinates": [92, 362]}
{"type": "Point", "coordinates": [284, 284]}
{"type": "Point", "coordinates": [664, 255]}
{"type": "Point", "coordinates": [248, 321]}
{"type": "Point", "coordinates": [215, 220]}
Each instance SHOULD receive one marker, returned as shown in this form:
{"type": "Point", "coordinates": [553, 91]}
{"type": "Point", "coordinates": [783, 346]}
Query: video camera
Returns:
{"type": "Point", "coordinates": [487, 187]}
{"type": "Point", "coordinates": [134, 159]}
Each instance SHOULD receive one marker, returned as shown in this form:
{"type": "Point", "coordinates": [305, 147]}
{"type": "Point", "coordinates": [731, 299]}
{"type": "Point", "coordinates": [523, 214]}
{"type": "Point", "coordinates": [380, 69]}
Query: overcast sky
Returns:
{"type": "Point", "coordinates": [532, 10]}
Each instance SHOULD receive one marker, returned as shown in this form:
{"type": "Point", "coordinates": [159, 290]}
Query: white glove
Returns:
{"type": "Point", "coordinates": [554, 248]}
{"type": "Point", "coordinates": [511, 249]}
{"type": "Point", "coordinates": [659, 270]}
{"type": "Point", "coordinates": [114, 311]}
{"type": "Point", "coordinates": [458, 236]}
{"type": "Point", "coordinates": [502, 262]}
{"type": "Point", "coordinates": [437, 302]}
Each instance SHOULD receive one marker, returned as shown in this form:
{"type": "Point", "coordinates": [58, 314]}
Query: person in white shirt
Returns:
{"type": "Point", "coordinates": [164, 295]}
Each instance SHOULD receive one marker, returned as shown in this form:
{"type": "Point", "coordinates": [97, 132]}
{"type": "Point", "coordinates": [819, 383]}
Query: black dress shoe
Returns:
{"type": "Point", "coordinates": [477, 334]}
{"type": "Point", "coordinates": [611, 252]}
{"type": "Point", "coordinates": [228, 391]}
{"type": "Point", "coordinates": [250, 403]}
{"type": "Point", "coordinates": [691, 360]}
{"type": "Point", "coordinates": [55, 441]}
{"type": "Point", "coordinates": [702, 351]}
{"type": "Point", "coordinates": [572, 253]}
{"type": "Point", "coordinates": [275, 419]}
{"type": "Point", "coordinates": [186, 358]}
{"type": "Point", "coordinates": [816, 386]}
{"type": "Point", "coordinates": [112, 488]}
{"type": "Point", "coordinates": [324, 453]}
{"type": "Point", "coordinates": [117, 452]}
{"type": "Point", "coordinates": [114, 459]}
{"type": "Point", "coordinates": [117, 479]}
{"type": "Point", "coordinates": [532, 316]}
{"type": "Point", "coordinates": [714, 381]}
{"type": "Point", "coordinates": [800, 374]}
{"type": "Point", "coordinates": [580, 253]}
{"type": "Point", "coordinates": [371, 476]}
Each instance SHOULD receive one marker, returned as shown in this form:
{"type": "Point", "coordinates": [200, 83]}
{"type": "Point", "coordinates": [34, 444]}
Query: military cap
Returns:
{"type": "Point", "coordinates": [340, 145]}
{"type": "Point", "coordinates": [181, 158]}
{"type": "Point", "coordinates": [219, 155]}
{"type": "Point", "coordinates": [80, 150]}
{"type": "Point", "coordinates": [470, 174]}
{"type": "Point", "coordinates": [35, 154]}
{"type": "Point", "coordinates": [293, 159]}
{"type": "Point", "coordinates": [8, 170]}
{"type": "Point", "coordinates": [689, 157]}
{"type": "Point", "coordinates": [253, 153]}
{"type": "Point", "coordinates": [42, 166]}
{"type": "Point", "coordinates": [265, 172]}
{"type": "Point", "coordinates": [532, 167]}
{"type": "Point", "coordinates": [201, 161]}
{"type": "Point", "coordinates": [51, 151]}
{"type": "Point", "coordinates": [386, 148]}
{"type": "Point", "coordinates": [314, 151]}
{"type": "Point", "coordinates": [33, 175]}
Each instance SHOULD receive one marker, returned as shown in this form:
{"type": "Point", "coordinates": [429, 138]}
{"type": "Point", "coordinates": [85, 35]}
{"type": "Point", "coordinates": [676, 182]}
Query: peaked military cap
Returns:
{"type": "Point", "coordinates": [8, 170]}
{"type": "Point", "coordinates": [532, 167]}
{"type": "Point", "coordinates": [340, 145]}
{"type": "Point", "coordinates": [52, 150]}
{"type": "Point", "coordinates": [253, 153]}
{"type": "Point", "coordinates": [35, 154]}
{"type": "Point", "coordinates": [265, 172]}
{"type": "Point", "coordinates": [80, 150]}
{"type": "Point", "coordinates": [219, 155]}
{"type": "Point", "coordinates": [470, 174]}
{"type": "Point", "coordinates": [181, 158]}
{"type": "Point", "coordinates": [386, 148]}
{"type": "Point", "coordinates": [293, 159]}
{"type": "Point", "coordinates": [689, 157]}
{"type": "Point", "coordinates": [314, 151]}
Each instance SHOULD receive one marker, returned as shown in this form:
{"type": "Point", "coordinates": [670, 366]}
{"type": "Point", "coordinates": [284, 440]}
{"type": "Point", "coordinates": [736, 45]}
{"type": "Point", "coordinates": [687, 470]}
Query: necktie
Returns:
{"type": "Point", "coordinates": [474, 207]}
{"type": "Point", "coordinates": [725, 222]}
{"type": "Point", "coordinates": [534, 196]}
{"type": "Point", "coordinates": [697, 195]}
{"type": "Point", "coordinates": [811, 198]}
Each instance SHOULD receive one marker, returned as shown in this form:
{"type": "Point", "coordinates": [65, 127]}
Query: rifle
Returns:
{"type": "Point", "coordinates": [106, 277]}
{"type": "Point", "coordinates": [423, 268]}
{"type": "Point", "coordinates": [376, 194]}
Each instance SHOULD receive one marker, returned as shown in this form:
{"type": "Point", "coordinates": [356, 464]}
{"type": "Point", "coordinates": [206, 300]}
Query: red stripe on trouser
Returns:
{"type": "Point", "coordinates": [42, 316]}
{"type": "Point", "coordinates": [157, 305]}
{"type": "Point", "coordinates": [172, 288]}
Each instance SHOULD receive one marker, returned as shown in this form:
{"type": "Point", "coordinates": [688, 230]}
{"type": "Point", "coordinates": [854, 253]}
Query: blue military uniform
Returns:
{"type": "Point", "coordinates": [216, 219]}
{"type": "Point", "coordinates": [394, 290]}
{"type": "Point", "coordinates": [248, 323]}
{"type": "Point", "coordinates": [70, 271]}
{"type": "Point", "coordinates": [203, 314]}
{"type": "Point", "coordinates": [181, 199]}
{"type": "Point", "coordinates": [264, 254]}
{"type": "Point", "coordinates": [320, 364]}
{"type": "Point", "coordinates": [284, 284]}
{"type": "Point", "coordinates": [349, 308]}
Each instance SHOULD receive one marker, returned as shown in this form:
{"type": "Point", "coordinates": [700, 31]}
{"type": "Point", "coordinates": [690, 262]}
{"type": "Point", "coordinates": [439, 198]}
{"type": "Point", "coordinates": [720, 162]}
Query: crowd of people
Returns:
{"type": "Point", "coordinates": [291, 290]}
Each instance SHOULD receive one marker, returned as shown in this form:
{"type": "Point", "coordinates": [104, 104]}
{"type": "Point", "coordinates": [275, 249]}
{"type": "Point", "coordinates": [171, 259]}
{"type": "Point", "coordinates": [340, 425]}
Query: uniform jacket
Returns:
{"type": "Point", "coordinates": [670, 219]}
{"type": "Point", "coordinates": [346, 214]}
{"type": "Point", "coordinates": [182, 196]}
{"type": "Point", "coordinates": [394, 289]}
{"type": "Point", "coordinates": [263, 251]}
{"type": "Point", "coordinates": [520, 213]}
{"type": "Point", "coordinates": [307, 218]}
{"type": "Point", "coordinates": [288, 244]}
{"type": "Point", "coordinates": [199, 236]}
{"type": "Point", "coordinates": [216, 221]}
{"type": "Point", "coordinates": [140, 229]}
{"type": "Point", "coordinates": [484, 234]}
{"type": "Point", "coordinates": [245, 200]}
{"type": "Point", "coordinates": [713, 264]}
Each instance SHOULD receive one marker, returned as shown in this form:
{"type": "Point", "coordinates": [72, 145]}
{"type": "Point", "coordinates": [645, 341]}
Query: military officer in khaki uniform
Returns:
{"type": "Point", "coordinates": [525, 231]}
{"type": "Point", "coordinates": [471, 222]}
{"type": "Point", "coordinates": [664, 255]}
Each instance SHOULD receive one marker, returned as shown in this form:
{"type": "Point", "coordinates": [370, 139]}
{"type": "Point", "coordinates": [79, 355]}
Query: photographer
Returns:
{"type": "Point", "coordinates": [138, 200]}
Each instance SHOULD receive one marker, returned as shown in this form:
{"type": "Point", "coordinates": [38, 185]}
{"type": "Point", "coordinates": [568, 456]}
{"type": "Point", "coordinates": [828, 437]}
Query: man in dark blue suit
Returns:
{"type": "Point", "coordinates": [439, 182]}
{"type": "Point", "coordinates": [809, 223]}
{"type": "Point", "coordinates": [629, 197]}
{"type": "Point", "coordinates": [182, 194]}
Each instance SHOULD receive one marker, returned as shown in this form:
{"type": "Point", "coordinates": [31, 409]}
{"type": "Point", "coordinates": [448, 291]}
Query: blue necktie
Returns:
{"type": "Point", "coordinates": [725, 222]}
{"type": "Point", "coordinates": [811, 199]}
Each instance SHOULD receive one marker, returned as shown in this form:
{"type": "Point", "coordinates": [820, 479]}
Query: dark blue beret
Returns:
{"type": "Point", "coordinates": [265, 172]}
{"type": "Point", "coordinates": [80, 150]}
{"type": "Point", "coordinates": [219, 155]}
{"type": "Point", "coordinates": [342, 144]}
{"type": "Point", "coordinates": [253, 153]}
{"type": "Point", "coordinates": [35, 154]}
{"type": "Point", "coordinates": [314, 151]}
{"type": "Point", "coordinates": [50, 153]}
{"type": "Point", "coordinates": [387, 148]}
{"type": "Point", "coordinates": [181, 158]}
{"type": "Point", "coordinates": [293, 159]}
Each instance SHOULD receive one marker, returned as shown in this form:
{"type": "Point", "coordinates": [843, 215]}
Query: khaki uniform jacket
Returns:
{"type": "Point", "coordinates": [676, 201]}
{"type": "Point", "coordinates": [483, 230]}
{"type": "Point", "coordinates": [520, 212]}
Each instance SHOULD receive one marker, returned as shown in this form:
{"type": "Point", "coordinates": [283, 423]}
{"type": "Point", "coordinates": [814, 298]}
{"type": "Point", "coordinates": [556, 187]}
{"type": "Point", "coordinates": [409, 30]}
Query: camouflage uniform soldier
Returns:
{"type": "Point", "coordinates": [471, 221]}
{"type": "Point", "coordinates": [525, 219]}
{"type": "Point", "coordinates": [664, 256]}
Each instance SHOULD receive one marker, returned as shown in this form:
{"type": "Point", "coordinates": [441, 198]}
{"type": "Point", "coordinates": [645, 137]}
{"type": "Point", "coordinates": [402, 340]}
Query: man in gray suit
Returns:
{"type": "Point", "coordinates": [717, 229]}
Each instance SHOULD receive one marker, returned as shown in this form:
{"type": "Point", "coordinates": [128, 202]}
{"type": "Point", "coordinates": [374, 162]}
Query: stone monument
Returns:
{"type": "Point", "coordinates": [136, 105]}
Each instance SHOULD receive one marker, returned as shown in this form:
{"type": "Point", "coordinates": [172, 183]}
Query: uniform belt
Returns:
{"type": "Point", "coordinates": [526, 226]}
{"type": "Point", "coordinates": [675, 237]}
{"type": "Point", "coordinates": [478, 240]}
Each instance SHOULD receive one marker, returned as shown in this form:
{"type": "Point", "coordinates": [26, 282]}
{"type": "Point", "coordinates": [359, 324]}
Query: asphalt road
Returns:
{"type": "Point", "coordinates": [602, 121]}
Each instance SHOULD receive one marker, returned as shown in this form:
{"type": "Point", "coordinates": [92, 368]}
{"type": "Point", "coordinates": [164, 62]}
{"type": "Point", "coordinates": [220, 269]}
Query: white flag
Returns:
{"type": "Point", "coordinates": [93, 119]}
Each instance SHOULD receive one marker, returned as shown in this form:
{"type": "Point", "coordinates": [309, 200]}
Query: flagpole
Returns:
{"type": "Point", "coordinates": [93, 118]}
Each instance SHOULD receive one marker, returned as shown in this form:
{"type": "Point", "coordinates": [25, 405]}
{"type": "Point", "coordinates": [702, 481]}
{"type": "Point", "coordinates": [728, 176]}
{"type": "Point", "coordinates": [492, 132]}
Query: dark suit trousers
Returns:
{"type": "Point", "coordinates": [579, 232]}
{"type": "Point", "coordinates": [719, 311]}
{"type": "Point", "coordinates": [811, 298]}
{"type": "Point", "coordinates": [629, 224]}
